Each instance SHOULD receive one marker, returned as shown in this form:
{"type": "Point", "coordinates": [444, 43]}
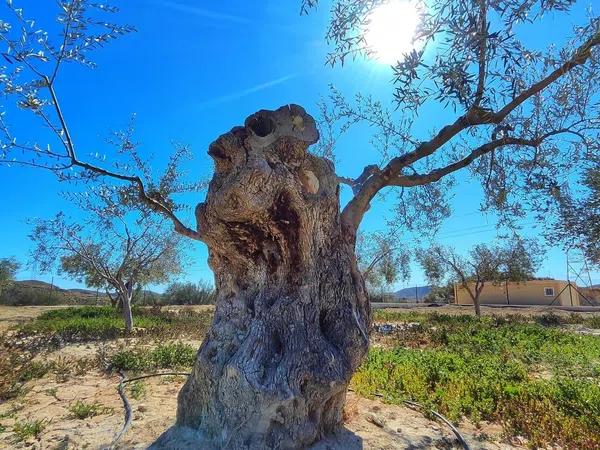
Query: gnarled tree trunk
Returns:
{"type": "Point", "coordinates": [291, 321]}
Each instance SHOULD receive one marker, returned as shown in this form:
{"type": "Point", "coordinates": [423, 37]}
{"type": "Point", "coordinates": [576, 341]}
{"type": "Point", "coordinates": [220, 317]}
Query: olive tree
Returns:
{"type": "Point", "coordinates": [516, 261]}
{"type": "Point", "coordinates": [109, 247]}
{"type": "Point", "coordinates": [292, 317]}
{"type": "Point", "coordinates": [8, 270]}
{"type": "Point", "coordinates": [382, 259]}
{"type": "Point", "coordinates": [578, 224]}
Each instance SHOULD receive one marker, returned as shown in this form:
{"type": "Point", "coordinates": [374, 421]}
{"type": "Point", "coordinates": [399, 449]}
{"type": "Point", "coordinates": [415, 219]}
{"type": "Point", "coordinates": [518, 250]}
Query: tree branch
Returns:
{"type": "Point", "coordinates": [149, 201]}
{"type": "Point", "coordinates": [475, 116]}
{"type": "Point", "coordinates": [483, 36]}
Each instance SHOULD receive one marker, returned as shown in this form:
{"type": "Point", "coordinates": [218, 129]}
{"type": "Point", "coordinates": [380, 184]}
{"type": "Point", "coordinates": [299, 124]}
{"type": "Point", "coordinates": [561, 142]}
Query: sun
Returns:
{"type": "Point", "coordinates": [391, 28]}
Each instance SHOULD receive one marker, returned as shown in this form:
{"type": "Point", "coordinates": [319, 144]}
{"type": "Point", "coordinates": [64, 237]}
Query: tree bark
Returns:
{"type": "Point", "coordinates": [477, 305]}
{"type": "Point", "coordinates": [127, 314]}
{"type": "Point", "coordinates": [291, 320]}
{"type": "Point", "coordinates": [478, 289]}
{"type": "Point", "coordinates": [124, 296]}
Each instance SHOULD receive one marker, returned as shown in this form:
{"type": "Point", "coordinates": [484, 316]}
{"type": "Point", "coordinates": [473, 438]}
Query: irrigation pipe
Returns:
{"type": "Point", "coordinates": [127, 405]}
{"type": "Point", "coordinates": [421, 408]}
{"type": "Point", "coordinates": [459, 436]}
{"type": "Point", "coordinates": [129, 413]}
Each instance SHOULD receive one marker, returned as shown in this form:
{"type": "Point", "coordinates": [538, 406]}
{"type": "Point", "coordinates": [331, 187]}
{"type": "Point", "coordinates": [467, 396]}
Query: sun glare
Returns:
{"type": "Point", "coordinates": [391, 29]}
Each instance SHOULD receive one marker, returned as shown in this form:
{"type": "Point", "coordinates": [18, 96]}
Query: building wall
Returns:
{"type": "Point", "coordinates": [526, 293]}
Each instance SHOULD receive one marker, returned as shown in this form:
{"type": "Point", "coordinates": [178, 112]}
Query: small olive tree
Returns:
{"type": "Point", "coordinates": [382, 259]}
{"type": "Point", "coordinates": [8, 270]}
{"type": "Point", "coordinates": [516, 261]}
{"type": "Point", "coordinates": [109, 247]}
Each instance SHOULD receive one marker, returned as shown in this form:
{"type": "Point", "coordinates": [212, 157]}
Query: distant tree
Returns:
{"type": "Point", "coordinates": [578, 225]}
{"type": "Point", "coordinates": [292, 321]}
{"type": "Point", "coordinates": [516, 260]}
{"type": "Point", "coordinates": [440, 293]}
{"type": "Point", "coordinates": [109, 247]}
{"type": "Point", "coordinates": [8, 270]}
{"type": "Point", "coordinates": [382, 259]}
{"type": "Point", "coordinates": [189, 294]}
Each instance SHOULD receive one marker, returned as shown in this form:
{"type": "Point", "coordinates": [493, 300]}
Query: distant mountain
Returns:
{"type": "Point", "coordinates": [86, 292]}
{"type": "Point", "coordinates": [79, 292]}
{"type": "Point", "coordinates": [36, 283]}
{"type": "Point", "coordinates": [412, 293]}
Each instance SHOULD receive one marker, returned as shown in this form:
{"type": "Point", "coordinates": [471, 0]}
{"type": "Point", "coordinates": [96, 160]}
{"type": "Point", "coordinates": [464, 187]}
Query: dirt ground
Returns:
{"type": "Point", "coordinates": [370, 424]}
{"type": "Point", "coordinates": [530, 311]}
{"type": "Point", "coordinates": [14, 315]}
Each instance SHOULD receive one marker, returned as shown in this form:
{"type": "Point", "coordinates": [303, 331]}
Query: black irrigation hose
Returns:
{"type": "Point", "coordinates": [127, 405]}
{"type": "Point", "coordinates": [129, 414]}
{"type": "Point", "coordinates": [418, 406]}
{"type": "Point", "coordinates": [459, 436]}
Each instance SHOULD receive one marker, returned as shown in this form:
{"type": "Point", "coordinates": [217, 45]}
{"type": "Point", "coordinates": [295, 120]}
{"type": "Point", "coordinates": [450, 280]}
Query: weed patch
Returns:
{"type": "Point", "coordinates": [29, 429]}
{"type": "Point", "coordinates": [538, 380]}
{"type": "Point", "coordinates": [165, 356]}
{"type": "Point", "coordinates": [81, 410]}
{"type": "Point", "coordinates": [137, 389]}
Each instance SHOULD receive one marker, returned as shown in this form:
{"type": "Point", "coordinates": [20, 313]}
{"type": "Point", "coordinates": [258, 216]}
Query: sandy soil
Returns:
{"type": "Point", "coordinates": [14, 315]}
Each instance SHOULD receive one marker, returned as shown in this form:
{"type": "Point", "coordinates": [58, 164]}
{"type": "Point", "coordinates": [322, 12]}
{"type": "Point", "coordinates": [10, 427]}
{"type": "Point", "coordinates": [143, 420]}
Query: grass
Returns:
{"type": "Point", "coordinates": [34, 370]}
{"type": "Point", "coordinates": [165, 356]}
{"type": "Point", "coordinates": [81, 410]}
{"type": "Point", "coordinates": [528, 373]}
{"type": "Point", "coordinates": [29, 429]}
{"type": "Point", "coordinates": [105, 322]}
{"type": "Point", "coordinates": [137, 389]}
{"type": "Point", "coordinates": [537, 380]}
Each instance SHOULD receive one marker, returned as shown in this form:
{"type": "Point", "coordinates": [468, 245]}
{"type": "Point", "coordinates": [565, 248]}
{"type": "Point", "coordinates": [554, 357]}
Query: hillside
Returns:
{"type": "Point", "coordinates": [413, 293]}
{"type": "Point", "coordinates": [36, 292]}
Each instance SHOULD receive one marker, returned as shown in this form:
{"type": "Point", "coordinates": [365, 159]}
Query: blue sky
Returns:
{"type": "Point", "coordinates": [195, 69]}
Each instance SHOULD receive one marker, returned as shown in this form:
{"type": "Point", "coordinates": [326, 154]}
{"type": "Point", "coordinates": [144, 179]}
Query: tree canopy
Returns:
{"type": "Point", "coordinates": [515, 260]}
{"type": "Point", "coordinates": [524, 117]}
{"type": "Point", "coordinates": [110, 246]}
{"type": "Point", "coordinates": [579, 222]}
{"type": "Point", "coordinates": [8, 270]}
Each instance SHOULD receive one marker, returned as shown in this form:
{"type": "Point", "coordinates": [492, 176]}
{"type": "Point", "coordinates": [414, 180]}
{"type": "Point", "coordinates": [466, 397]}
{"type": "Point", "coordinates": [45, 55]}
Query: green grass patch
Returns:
{"type": "Point", "coordinates": [82, 410]}
{"type": "Point", "coordinates": [29, 429]}
{"type": "Point", "coordinates": [538, 380]}
{"type": "Point", "coordinates": [34, 370]}
{"type": "Point", "coordinates": [165, 356]}
{"type": "Point", "coordinates": [137, 389]}
{"type": "Point", "coordinates": [105, 322]}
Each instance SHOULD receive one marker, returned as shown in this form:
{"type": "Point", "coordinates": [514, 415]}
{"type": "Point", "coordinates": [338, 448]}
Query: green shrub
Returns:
{"type": "Point", "coordinates": [105, 322]}
{"type": "Point", "coordinates": [137, 389]}
{"type": "Point", "coordinates": [29, 429]}
{"type": "Point", "coordinates": [539, 380]}
{"type": "Point", "coordinates": [189, 294]}
{"type": "Point", "coordinates": [165, 356]}
{"type": "Point", "coordinates": [81, 410]}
